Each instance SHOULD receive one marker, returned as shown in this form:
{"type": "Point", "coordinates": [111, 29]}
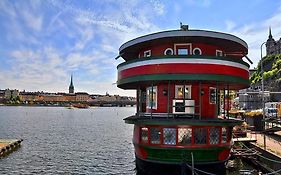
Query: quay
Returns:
{"type": "Point", "coordinates": [9, 145]}
{"type": "Point", "coordinates": [267, 158]}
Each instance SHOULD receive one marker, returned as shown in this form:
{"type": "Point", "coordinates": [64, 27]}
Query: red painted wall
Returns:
{"type": "Point", "coordinates": [207, 110]}
{"type": "Point", "coordinates": [158, 50]}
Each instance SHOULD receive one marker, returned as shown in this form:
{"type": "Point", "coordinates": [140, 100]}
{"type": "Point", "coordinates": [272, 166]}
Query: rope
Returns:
{"type": "Point", "coordinates": [208, 173]}
{"type": "Point", "coordinates": [273, 172]}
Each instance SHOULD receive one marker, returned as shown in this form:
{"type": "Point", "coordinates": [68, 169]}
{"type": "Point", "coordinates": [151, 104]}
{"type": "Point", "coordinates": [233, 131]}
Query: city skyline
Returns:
{"type": "Point", "coordinates": [44, 42]}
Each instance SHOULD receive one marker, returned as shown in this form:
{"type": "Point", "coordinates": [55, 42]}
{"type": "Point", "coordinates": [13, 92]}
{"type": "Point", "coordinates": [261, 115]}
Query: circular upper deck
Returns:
{"type": "Point", "coordinates": [228, 42]}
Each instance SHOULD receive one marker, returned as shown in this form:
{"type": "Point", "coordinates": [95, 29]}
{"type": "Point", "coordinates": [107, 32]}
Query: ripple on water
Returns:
{"type": "Point", "coordinates": [63, 141]}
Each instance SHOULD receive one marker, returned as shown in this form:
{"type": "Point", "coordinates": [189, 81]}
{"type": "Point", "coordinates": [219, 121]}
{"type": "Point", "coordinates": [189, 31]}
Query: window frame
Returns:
{"type": "Point", "coordinates": [219, 53]}
{"type": "Point", "coordinates": [169, 49]}
{"type": "Point", "coordinates": [184, 92]}
{"type": "Point", "coordinates": [210, 96]}
{"type": "Point", "coordinates": [187, 46]}
{"type": "Point", "coordinates": [197, 48]}
{"type": "Point", "coordinates": [147, 53]}
{"type": "Point", "coordinates": [148, 102]}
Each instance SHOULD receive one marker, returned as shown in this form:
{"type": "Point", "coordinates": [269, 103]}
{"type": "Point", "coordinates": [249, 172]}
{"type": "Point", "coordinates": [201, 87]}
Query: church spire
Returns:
{"type": "Point", "coordinates": [270, 36]}
{"type": "Point", "coordinates": [71, 87]}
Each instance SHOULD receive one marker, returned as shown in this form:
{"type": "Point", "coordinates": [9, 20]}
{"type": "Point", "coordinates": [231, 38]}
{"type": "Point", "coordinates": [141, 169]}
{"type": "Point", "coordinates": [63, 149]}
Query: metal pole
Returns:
{"type": "Point", "coordinates": [262, 95]}
{"type": "Point", "coordinates": [168, 104]}
{"type": "Point", "coordinates": [192, 161]}
{"type": "Point", "coordinates": [200, 99]}
{"type": "Point", "coordinates": [138, 101]}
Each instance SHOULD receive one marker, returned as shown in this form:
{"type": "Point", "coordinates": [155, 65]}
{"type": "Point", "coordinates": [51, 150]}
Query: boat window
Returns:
{"type": "Point", "coordinates": [155, 134]}
{"type": "Point", "coordinates": [144, 135]}
{"type": "Point", "coordinates": [151, 97]}
{"type": "Point", "coordinates": [218, 53]}
{"type": "Point", "coordinates": [184, 136]}
{"type": "Point", "coordinates": [183, 51]}
{"type": "Point", "coordinates": [213, 95]}
{"type": "Point", "coordinates": [181, 89]}
{"type": "Point", "coordinates": [169, 136]}
{"type": "Point", "coordinates": [169, 51]}
{"type": "Point", "coordinates": [197, 51]}
{"type": "Point", "coordinates": [200, 135]}
{"type": "Point", "coordinates": [214, 136]}
{"type": "Point", "coordinates": [147, 53]}
{"type": "Point", "coordinates": [224, 135]}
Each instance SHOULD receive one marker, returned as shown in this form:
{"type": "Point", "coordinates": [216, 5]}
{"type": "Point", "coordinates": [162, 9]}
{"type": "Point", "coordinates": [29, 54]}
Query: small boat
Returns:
{"type": "Point", "coordinates": [80, 105]}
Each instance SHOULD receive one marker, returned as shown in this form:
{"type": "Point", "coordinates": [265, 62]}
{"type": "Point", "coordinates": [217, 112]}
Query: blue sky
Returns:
{"type": "Point", "coordinates": [42, 42]}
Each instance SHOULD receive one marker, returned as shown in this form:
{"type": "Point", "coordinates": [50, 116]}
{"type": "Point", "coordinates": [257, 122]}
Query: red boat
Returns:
{"type": "Point", "coordinates": [180, 76]}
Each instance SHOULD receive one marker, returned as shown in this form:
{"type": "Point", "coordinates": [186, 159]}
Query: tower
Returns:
{"type": "Point", "coordinates": [270, 44]}
{"type": "Point", "coordinates": [71, 87]}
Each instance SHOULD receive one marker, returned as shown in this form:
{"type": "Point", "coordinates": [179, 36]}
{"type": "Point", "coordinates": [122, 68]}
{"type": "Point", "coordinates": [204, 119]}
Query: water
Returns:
{"type": "Point", "coordinates": [58, 140]}
{"type": "Point", "coordinates": [68, 141]}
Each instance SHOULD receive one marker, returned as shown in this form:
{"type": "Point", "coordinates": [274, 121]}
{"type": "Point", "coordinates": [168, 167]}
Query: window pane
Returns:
{"type": "Point", "coordinates": [147, 53]}
{"type": "Point", "coordinates": [144, 135]}
{"type": "Point", "coordinates": [155, 135]}
{"type": "Point", "coordinates": [187, 92]}
{"type": "Point", "coordinates": [224, 135]}
{"type": "Point", "coordinates": [213, 96]}
{"type": "Point", "coordinates": [184, 136]}
{"type": "Point", "coordinates": [214, 136]}
{"type": "Point", "coordinates": [200, 135]}
{"type": "Point", "coordinates": [169, 136]}
{"type": "Point", "coordinates": [151, 97]}
{"type": "Point", "coordinates": [179, 92]}
{"type": "Point", "coordinates": [182, 52]}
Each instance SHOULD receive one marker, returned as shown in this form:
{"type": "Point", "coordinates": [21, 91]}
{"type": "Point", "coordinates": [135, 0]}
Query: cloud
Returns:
{"type": "Point", "coordinates": [31, 20]}
{"type": "Point", "coordinates": [256, 33]}
{"type": "Point", "coordinates": [229, 25]}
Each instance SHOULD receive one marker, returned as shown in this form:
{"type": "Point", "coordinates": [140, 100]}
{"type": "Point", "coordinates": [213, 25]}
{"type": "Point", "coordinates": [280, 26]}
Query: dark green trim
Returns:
{"type": "Point", "coordinates": [195, 77]}
{"type": "Point", "coordinates": [178, 155]}
{"type": "Point", "coordinates": [184, 56]}
{"type": "Point", "coordinates": [180, 121]}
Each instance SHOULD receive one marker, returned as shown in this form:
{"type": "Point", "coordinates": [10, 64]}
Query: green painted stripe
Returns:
{"type": "Point", "coordinates": [178, 155]}
{"type": "Point", "coordinates": [184, 56]}
{"type": "Point", "coordinates": [179, 121]}
{"type": "Point", "coordinates": [195, 77]}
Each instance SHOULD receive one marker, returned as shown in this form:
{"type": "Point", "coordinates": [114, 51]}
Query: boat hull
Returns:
{"type": "Point", "coordinates": [157, 168]}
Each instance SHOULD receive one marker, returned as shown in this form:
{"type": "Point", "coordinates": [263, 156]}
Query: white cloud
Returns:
{"type": "Point", "coordinates": [256, 33]}
{"type": "Point", "coordinates": [229, 25]}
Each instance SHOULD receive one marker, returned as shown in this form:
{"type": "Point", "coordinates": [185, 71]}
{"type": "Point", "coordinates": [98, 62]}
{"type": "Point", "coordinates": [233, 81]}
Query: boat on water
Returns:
{"type": "Point", "coordinates": [80, 105]}
{"type": "Point", "coordinates": [180, 77]}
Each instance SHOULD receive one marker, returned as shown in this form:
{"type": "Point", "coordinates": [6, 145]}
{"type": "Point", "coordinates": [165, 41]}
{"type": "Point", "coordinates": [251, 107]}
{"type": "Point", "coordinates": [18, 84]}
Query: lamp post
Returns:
{"type": "Point", "coordinates": [262, 95]}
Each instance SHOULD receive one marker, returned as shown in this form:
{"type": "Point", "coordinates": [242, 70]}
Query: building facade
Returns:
{"type": "Point", "coordinates": [272, 47]}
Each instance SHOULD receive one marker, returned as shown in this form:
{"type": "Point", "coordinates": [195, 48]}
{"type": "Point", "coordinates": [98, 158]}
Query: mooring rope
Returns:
{"type": "Point", "coordinates": [205, 172]}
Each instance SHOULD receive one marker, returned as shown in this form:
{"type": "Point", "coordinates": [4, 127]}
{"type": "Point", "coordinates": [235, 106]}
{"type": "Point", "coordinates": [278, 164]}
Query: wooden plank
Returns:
{"type": "Point", "coordinates": [244, 139]}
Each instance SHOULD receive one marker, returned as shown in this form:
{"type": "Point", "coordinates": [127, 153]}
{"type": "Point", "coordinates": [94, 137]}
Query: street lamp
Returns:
{"type": "Point", "coordinates": [262, 95]}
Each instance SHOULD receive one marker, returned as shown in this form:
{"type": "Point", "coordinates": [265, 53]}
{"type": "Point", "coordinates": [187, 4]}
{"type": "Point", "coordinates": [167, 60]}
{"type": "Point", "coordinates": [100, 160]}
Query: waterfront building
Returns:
{"type": "Point", "coordinates": [82, 97]}
{"type": "Point", "coordinates": [9, 94]}
{"type": "Point", "coordinates": [272, 47]}
{"type": "Point", "coordinates": [29, 96]}
{"type": "Point", "coordinates": [71, 87]}
{"type": "Point", "coordinates": [179, 76]}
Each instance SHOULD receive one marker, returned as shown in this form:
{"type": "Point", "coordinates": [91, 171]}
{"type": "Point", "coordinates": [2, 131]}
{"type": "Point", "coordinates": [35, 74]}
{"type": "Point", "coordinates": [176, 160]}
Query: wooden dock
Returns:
{"type": "Point", "coordinates": [9, 145]}
{"type": "Point", "coordinates": [244, 139]}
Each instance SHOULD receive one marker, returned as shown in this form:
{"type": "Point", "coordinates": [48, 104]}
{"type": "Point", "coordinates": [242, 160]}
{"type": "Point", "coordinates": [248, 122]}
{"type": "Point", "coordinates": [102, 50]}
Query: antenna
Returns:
{"type": "Point", "coordinates": [183, 27]}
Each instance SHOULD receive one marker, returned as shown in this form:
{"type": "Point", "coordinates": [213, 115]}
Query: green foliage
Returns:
{"type": "Point", "coordinates": [272, 73]}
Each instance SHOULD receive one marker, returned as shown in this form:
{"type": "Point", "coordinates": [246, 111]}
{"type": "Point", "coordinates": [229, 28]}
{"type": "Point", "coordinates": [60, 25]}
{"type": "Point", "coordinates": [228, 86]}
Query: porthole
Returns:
{"type": "Point", "coordinates": [169, 51]}
{"type": "Point", "coordinates": [197, 51]}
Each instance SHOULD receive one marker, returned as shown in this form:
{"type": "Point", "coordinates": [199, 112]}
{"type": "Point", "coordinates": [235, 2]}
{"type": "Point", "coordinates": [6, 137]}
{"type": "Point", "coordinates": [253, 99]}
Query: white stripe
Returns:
{"type": "Point", "coordinates": [183, 60]}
